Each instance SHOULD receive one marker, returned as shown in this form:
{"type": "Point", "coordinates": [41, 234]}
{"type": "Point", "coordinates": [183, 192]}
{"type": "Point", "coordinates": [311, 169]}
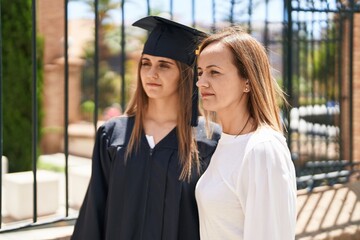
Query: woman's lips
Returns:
{"type": "Point", "coordinates": [206, 94]}
{"type": "Point", "coordinates": [153, 84]}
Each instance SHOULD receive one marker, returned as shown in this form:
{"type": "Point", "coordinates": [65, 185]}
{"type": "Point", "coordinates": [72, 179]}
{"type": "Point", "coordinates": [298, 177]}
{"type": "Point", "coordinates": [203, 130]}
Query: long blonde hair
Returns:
{"type": "Point", "coordinates": [187, 149]}
{"type": "Point", "coordinates": [251, 60]}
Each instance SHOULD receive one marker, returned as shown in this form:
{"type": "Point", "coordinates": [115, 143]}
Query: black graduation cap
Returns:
{"type": "Point", "coordinates": [176, 41]}
{"type": "Point", "coordinates": [170, 39]}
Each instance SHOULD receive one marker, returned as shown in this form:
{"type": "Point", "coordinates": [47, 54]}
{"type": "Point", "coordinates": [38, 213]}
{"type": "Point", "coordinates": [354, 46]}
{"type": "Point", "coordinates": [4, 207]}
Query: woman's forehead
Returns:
{"type": "Point", "coordinates": [157, 58]}
{"type": "Point", "coordinates": [215, 53]}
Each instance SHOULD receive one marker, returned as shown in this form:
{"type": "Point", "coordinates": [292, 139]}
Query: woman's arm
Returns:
{"type": "Point", "coordinates": [267, 192]}
{"type": "Point", "coordinates": [91, 221]}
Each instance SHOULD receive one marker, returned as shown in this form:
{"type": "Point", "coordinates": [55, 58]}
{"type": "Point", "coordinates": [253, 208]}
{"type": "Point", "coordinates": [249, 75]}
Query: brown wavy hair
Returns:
{"type": "Point", "coordinates": [252, 63]}
{"type": "Point", "coordinates": [187, 149]}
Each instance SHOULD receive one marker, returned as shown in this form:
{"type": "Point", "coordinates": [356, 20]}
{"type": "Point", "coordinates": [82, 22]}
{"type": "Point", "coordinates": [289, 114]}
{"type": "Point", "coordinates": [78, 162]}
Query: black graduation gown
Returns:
{"type": "Point", "coordinates": [144, 199]}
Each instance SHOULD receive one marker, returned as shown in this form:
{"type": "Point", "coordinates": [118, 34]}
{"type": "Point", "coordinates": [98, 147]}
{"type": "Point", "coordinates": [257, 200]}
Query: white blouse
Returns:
{"type": "Point", "coordinates": [248, 191]}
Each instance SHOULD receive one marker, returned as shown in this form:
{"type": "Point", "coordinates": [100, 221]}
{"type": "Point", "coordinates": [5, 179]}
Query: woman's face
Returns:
{"type": "Point", "coordinates": [160, 76]}
{"type": "Point", "coordinates": [220, 84]}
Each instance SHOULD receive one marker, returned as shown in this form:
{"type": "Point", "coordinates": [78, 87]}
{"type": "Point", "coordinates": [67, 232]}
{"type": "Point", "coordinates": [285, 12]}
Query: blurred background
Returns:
{"type": "Point", "coordinates": [68, 66]}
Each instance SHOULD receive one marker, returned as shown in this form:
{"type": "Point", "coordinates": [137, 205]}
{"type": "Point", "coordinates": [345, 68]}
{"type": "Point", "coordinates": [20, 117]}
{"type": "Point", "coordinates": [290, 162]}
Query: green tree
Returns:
{"type": "Point", "coordinates": [17, 83]}
{"type": "Point", "coordinates": [109, 81]}
{"type": "Point", "coordinates": [105, 26]}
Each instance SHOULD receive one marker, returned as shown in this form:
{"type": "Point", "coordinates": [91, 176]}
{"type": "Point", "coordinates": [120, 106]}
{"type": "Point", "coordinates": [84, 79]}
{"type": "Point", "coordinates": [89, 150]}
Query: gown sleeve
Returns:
{"type": "Point", "coordinates": [91, 221]}
{"type": "Point", "coordinates": [267, 193]}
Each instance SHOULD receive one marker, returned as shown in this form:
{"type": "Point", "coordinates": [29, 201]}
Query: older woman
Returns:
{"type": "Point", "coordinates": [248, 191]}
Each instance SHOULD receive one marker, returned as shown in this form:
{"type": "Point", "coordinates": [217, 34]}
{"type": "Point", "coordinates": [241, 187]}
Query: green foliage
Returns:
{"type": "Point", "coordinates": [50, 166]}
{"type": "Point", "coordinates": [17, 83]}
{"type": "Point", "coordinates": [314, 70]}
{"type": "Point", "coordinates": [109, 82]}
{"type": "Point", "coordinates": [109, 85]}
{"type": "Point", "coordinates": [324, 68]}
{"type": "Point", "coordinates": [88, 106]}
{"type": "Point", "coordinates": [87, 109]}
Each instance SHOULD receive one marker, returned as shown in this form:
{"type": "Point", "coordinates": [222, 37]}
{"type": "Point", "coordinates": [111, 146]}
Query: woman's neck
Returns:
{"type": "Point", "coordinates": [159, 119]}
{"type": "Point", "coordinates": [236, 122]}
{"type": "Point", "coordinates": [162, 111]}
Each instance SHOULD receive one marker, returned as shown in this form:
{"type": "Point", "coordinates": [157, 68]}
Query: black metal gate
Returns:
{"type": "Point", "coordinates": [319, 79]}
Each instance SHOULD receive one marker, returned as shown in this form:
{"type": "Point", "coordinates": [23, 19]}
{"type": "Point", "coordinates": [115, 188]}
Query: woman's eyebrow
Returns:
{"type": "Point", "coordinates": [213, 65]}
{"type": "Point", "coordinates": [164, 61]}
{"type": "Point", "coordinates": [160, 61]}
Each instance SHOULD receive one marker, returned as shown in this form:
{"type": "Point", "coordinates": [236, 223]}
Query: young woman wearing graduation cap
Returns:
{"type": "Point", "coordinates": [146, 163]}
{"type": "Point", "coordinates": [248, 192]}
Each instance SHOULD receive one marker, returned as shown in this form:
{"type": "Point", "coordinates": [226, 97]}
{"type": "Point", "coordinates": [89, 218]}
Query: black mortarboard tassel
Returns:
{"type": "Point", "coordinates": [176, 41]}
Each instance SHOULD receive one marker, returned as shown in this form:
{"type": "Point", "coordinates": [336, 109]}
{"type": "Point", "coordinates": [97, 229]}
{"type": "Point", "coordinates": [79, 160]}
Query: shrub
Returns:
{"type": "Point", "coordinates": [17, 83]}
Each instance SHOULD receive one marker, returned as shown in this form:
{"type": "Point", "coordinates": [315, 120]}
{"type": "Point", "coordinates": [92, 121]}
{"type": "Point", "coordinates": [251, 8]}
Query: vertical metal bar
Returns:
{"type": "Point", "coordinates": [266, 28]}
{"type": "Point", "coordinates": [351, 58]}
{"type": "Point", "coordinates": [297, 48]}
{"type": "Point", "coordinates": [306, 60]}
{"type": "Point", "coordinates": [1, 114]}
{"type": "Point", "coordinates": [307, 68]}
{"type": "Point", "coordinates": [329, 43]}
{"type": "Point", "coordinates": [213, 9]}
{"type": "Point", "coordinates": [232, 6]}
{"type": "Point", "coordinates": [148, 7]}
{"type": "Point", "coordinates": [171, 9]}
{"type": "Point", "coordinates": [66, 107]}
{"type": "Point", "coordinates": [313, 77]}
{"type": "Point", "coordinates": [250, 14]}
{"type": "Point", "coordinates": [96, 63]}
{"type": "Point", "coordinates": [35, 110]}
{"type": "Point", "coordinates": [297, 44]}
{"type": "Point", "coordinates": [123, 54]}
{"type": "Point", "coordinates": [288, 58]}
{"type": "Point", "coordinates": [193, 13]}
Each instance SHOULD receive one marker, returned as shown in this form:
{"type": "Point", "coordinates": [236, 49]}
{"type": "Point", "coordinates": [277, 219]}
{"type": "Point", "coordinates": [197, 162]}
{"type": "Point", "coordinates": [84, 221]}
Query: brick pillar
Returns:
{"type": "Point", "coordinates": [356, 88]}
{"type": "Point", "coordinates": [51, 26]}
{"type": "Point", "coordinates": [54, 97]}
{"type": "Point", "coordinates": [345, 93]}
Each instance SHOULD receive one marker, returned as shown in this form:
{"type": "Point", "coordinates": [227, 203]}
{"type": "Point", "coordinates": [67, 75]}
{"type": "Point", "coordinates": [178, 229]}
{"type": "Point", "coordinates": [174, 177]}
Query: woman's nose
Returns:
{"type": "Point", "coordinates": [152, 73]}
{"type": "Point", "coordinates": [202, 83]}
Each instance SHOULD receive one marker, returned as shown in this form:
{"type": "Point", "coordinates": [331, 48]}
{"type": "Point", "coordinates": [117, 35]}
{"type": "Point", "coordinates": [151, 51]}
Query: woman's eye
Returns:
{"type": "Point", "coordinates": [145, 64]}
{"type": "Point", "coordinates": [200, 74]}
{"type": "Point", "coordinates": [164, 66]}
{"type": "Point", "coordinates": [213, 72]}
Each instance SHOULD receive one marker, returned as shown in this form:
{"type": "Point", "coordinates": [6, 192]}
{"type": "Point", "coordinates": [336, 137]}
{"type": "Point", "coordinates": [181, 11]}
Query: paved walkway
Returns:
{"type": "Point", "coordinates": [54, 233]}
{"type": "Point", "coordinates": [330, 213]}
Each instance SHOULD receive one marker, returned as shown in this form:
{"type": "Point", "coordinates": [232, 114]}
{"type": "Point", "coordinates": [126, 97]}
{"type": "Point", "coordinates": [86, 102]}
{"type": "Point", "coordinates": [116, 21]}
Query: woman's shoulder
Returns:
{"type": "Point", "coordinates": [117, 128]}
{"type": "Point", "coordinates": [265, 133]}
{"type": "Point", "coordinates": [122, 121]}
{"type": "Point", "coordinates": [267, 142]}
